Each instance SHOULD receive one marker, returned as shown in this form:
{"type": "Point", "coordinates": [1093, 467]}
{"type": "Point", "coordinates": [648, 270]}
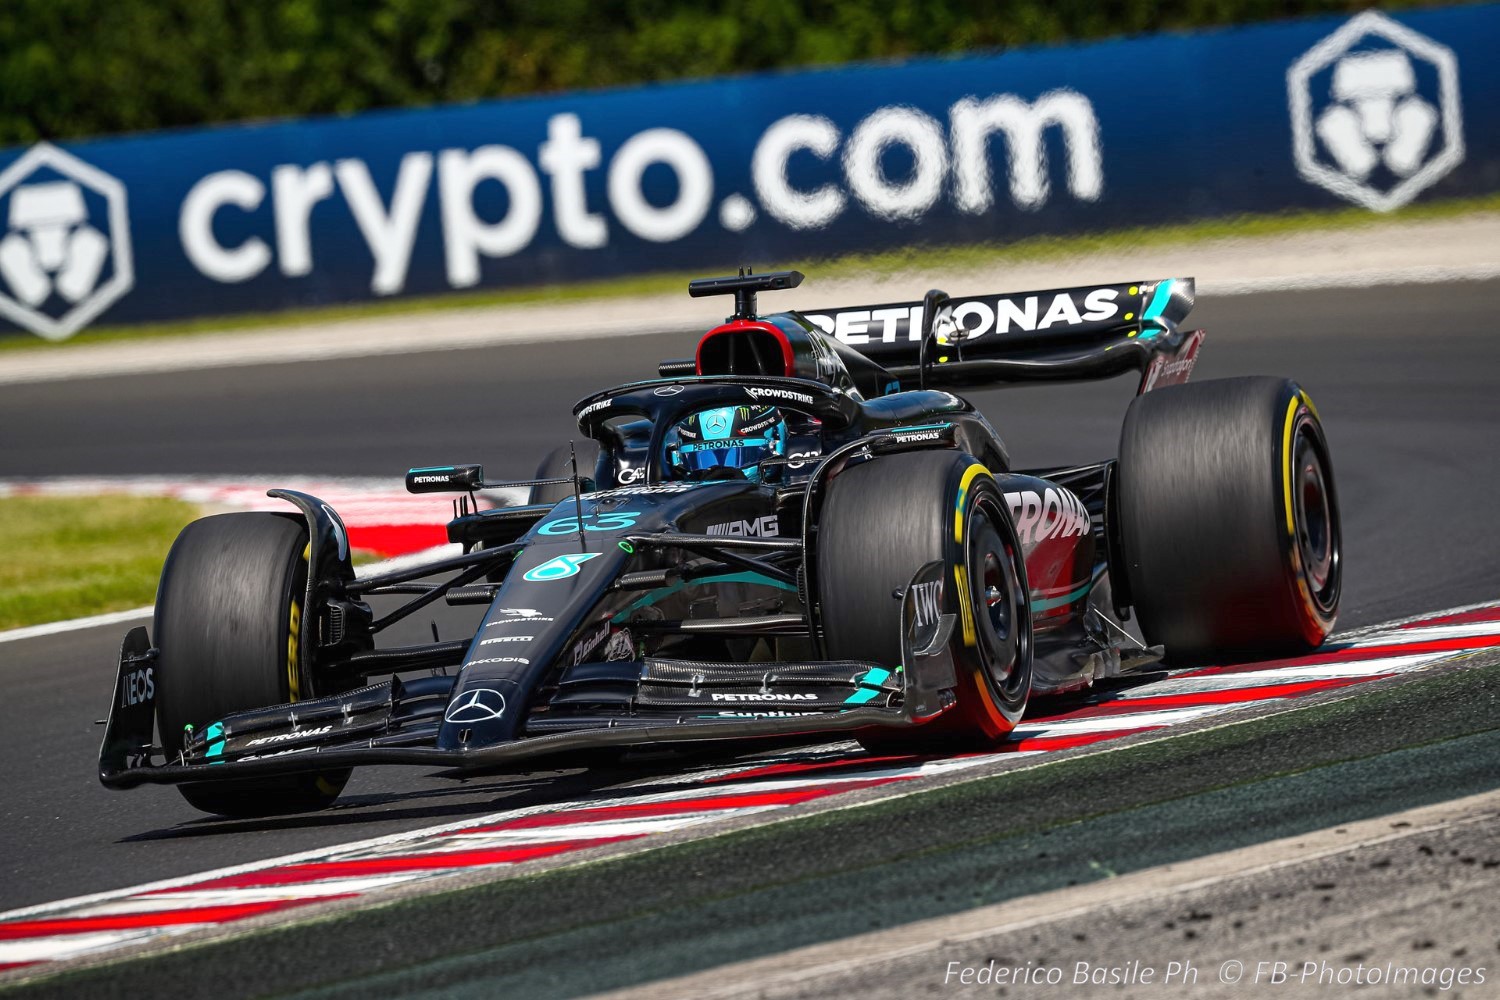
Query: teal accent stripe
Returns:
{"type": "Point", "coordinates": [215, 732]}
{"type": "Point", "coordinates": [869, 686]}
{"type": "Point", "coordinates": [1057, 602]}
{"type": "Point", "coordinates": [906, 429]}
{"type": "Point", "coordinates": [749, 576]}
{"type": "Point", "coordinates": [1159, 300]}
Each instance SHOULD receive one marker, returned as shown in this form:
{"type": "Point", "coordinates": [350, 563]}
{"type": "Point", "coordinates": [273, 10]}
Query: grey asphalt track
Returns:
{"type": "Point", "coordinates": [1404, 377]}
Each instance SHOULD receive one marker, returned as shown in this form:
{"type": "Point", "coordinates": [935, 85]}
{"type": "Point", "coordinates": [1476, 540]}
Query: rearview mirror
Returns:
{"type": "Point", "coordinates": [938, 330]}
{"type": "Point", "coordinates": [445, 479]}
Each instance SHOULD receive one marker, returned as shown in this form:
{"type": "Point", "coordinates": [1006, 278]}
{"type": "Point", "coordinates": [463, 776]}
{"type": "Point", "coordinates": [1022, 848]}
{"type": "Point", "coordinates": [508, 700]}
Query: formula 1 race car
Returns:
{"type": "Point", "coordinates": [799, 533]}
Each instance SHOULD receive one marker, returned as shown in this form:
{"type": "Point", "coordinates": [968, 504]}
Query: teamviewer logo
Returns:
{"type": "Point", "coordinates": [1375, 112]}
{"type": "Point", "coordinates": [65, 255]}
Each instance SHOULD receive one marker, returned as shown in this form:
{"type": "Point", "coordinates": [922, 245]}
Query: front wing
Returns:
{"type": "Point", "coordinates": [675, 701]}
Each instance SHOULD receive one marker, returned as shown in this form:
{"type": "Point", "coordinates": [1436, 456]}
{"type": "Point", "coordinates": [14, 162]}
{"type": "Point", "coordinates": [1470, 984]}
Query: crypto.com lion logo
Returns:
{"type": "Point", "coordinates": [1375, 112]}
{"type": "Point", "coordinates": [65, 255]}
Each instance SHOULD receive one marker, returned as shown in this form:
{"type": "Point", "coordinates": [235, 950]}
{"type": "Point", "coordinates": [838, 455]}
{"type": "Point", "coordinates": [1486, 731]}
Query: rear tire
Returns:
{"type": "Point", "coordinates": [227, 620]}
{"type": "Point", "coordinates": [1229, 521]}
{"type": "Point", "coordinates": [860, 574]}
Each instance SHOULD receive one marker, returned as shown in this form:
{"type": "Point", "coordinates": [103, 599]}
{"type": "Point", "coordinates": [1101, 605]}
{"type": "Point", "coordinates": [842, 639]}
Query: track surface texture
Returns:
{"type": "Point", "coordinates": [1403, 378]}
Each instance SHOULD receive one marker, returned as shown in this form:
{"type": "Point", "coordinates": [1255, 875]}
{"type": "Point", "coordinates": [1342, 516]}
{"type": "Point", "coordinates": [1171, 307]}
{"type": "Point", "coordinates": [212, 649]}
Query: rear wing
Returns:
{"type": "Point", "coordinates": [1062, 334]}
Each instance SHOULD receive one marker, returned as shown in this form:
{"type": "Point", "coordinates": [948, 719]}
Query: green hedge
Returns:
{"type": "Point", "coordinates": [88, 67]}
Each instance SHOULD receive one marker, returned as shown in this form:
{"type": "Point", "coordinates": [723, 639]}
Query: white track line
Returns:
{"type": "Point", "coordinates": [75, 624]}
{"type": "Point", "coordinates": [592, 831]}
{"type": "Point", "coordinates": [199, 898]}
{"type": "Point", "coordinates": [62, 947]}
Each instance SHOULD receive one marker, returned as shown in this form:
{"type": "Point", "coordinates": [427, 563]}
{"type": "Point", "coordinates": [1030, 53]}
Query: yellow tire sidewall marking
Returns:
{"type": "Point", "coordinates": [294, 639]}
{"type": "Point", "coordinates": [965, 603]}
{"type": "Point", "coordinates": [1287, 472]}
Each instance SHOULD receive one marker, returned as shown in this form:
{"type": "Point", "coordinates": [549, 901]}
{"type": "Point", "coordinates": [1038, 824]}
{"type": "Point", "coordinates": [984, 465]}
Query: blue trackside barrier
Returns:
{"type": "Point", "coordinates": [1374, 110]}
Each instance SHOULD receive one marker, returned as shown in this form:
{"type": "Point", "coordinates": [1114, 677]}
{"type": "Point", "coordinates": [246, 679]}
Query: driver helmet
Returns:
{"type": "Point", "coordinates": [728, 442]}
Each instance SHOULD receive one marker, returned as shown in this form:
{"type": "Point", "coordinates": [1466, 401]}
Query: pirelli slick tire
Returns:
{"type": "Point", "coordinates": [228, 616]}
{"type": "Point", "coordinates": [882, 521]}
{"type": "Point", "coordinates": [1228, 519]}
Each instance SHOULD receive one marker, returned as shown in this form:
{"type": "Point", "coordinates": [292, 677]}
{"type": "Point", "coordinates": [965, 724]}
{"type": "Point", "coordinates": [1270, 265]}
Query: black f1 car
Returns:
{"type": "Point", "coordinates": [798, 533]}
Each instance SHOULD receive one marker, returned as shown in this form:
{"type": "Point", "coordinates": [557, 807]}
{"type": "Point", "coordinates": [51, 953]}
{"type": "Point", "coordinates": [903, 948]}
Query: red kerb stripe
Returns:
{"type": "Point", "coordinates": [1264, 692]}
{"type": "Point", "coordinates": [791, 768]}
{"type": "Point", "coordinates": [1075, 740]}
{"type": "Point", "coordinates": [396, 539]}
{"type": "Point", "coordinates": [640, 810]}
{"type": "Point", "coordinates": [1355, 655]}
{"type": "Point", "coordinates": [314, 871]}
{"type": "Point", "coordinates": [20, 929]}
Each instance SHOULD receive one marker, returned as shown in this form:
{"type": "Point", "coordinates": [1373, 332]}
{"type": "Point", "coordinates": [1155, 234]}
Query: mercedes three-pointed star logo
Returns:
{"type": "Point", "coordinates": [478, 705]}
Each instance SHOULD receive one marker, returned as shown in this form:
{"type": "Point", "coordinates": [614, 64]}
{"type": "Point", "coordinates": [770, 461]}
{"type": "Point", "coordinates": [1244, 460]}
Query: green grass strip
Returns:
{"type": "Point", "coordinates": [66, 557]}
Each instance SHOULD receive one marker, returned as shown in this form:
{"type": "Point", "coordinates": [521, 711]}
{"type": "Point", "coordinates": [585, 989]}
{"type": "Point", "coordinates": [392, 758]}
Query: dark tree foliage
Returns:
{"type": "Point", "coordinates": [88, 67]}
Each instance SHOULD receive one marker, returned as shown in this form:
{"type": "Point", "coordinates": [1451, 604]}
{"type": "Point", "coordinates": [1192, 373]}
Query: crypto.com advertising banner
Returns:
{"type": "Point", "coordinates": [1373, 110]}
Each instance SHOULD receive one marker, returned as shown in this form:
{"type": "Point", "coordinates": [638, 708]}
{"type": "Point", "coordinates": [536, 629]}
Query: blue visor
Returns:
{"type": "Point", "coordinates": [735, 453]}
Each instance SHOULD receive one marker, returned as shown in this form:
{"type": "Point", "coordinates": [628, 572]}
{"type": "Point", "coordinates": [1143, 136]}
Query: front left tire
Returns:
{"type": "Point", "coordinates": [228, 615]}
{"type": "Point", "coordinates": [882, 521]}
